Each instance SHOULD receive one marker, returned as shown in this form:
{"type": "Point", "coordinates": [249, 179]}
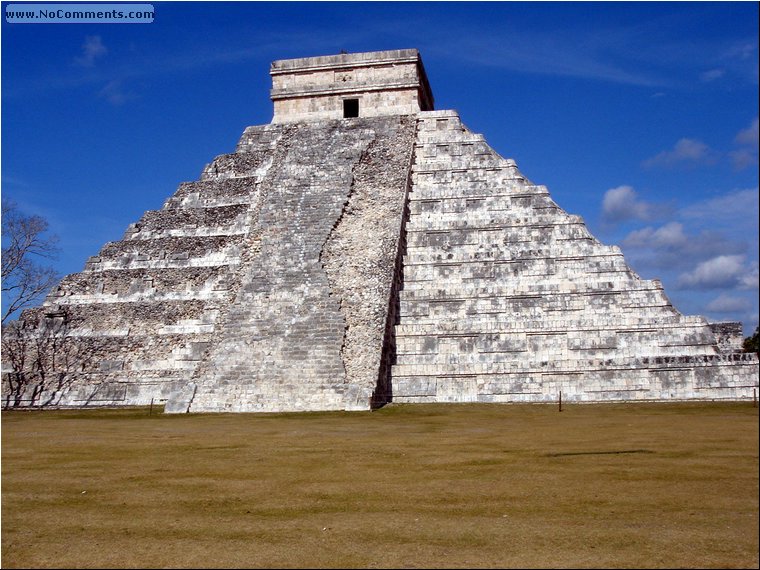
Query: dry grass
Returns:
{"type": "Point", "coordinates": [522, 486]}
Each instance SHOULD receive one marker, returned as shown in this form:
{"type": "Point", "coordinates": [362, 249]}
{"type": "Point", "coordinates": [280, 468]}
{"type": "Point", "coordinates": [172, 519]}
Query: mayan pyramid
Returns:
{"type": "Point", "coordinates": [361, 249]}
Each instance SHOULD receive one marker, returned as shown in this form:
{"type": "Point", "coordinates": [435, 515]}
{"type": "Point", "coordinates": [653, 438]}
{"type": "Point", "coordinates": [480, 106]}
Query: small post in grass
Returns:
{"type": "Point", "coordinates": [754, 398]}
{"type": "Point", "coordinates": [560, 400]}
{"type": "Point", "coordinates": [150, 412]}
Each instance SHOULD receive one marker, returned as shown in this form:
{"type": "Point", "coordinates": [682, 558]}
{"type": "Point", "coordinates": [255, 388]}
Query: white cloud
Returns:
{"type": "Point", "coordinates": [735, 213]}
{"type": "Point", "coordinates": [751, 279]}
{"type": "Point", "coordinates": [668, 236]}
{"type": "Point", "coordinates": [707, 245]}
{"type": "Point", "coordinates": [92, 49]}
{"type": "Point", "coordinates": [672, 247]}
{"type": "Point", "coordinates": [685, 151]}
{"type": "Point", "coordinates": [749, 136]}
{"type": "Point", "coordinates": [721, 271]}
{"type": "Point", "coordinates": [114, 93]}
{"type": "Point", "coordinates": [546, 52]}
{"type": "Point", "coordinates": [743, 158]}
{"type": "Point", "coordinates": [692, 152]}
{"type": "Point", "coordinates": [747, 153]}
{"type": "Point", "coordinates": [622, 203]}
{"type": "Point", "coordinates": [729, 304]}
{"type": "Point", "coordinates": [712, 75]}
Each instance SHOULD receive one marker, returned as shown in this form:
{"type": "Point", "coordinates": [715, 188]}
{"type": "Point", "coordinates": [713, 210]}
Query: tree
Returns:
{"type": "Point", "coordinates": [42, 357]}
{"type": "Point", "coordinates": [24, 280]}
{"type": "Point", "coordinates": [752, 343]}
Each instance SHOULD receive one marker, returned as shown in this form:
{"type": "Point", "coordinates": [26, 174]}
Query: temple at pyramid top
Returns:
{"type": "Point", "coordinates": [370, 84]}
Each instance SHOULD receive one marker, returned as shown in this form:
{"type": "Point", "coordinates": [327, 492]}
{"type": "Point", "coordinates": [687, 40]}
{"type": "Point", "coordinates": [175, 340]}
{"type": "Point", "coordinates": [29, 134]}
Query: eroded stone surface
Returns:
{"type": "Point", "coordinates": [374, 84]}
{"type": "Point", "coordinates": [508, 298]}
{"type": "Point", "coordinates": [305, 331]}
{"type": "Point", "coordinates": [340, 263]}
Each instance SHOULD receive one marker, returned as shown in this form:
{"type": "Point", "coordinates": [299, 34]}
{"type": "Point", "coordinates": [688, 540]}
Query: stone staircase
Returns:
{"type": "Point", "coordinates": [508, 298]}
{"type": "Point", "coordinates": [282, 345]}
{"type": "Point", "coordinates": [143, 311]}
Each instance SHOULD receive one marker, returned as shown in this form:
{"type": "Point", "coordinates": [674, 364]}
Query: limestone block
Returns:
{"type": "Point", "coordinates": [536, 269]}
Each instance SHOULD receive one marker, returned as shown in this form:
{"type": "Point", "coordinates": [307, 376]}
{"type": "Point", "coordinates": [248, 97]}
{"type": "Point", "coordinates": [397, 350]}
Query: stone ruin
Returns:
{"type": "Point", "coordinates": [361, 249]}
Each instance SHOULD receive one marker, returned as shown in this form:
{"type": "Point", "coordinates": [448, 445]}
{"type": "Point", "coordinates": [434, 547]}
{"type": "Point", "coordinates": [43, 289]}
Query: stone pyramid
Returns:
{"type": "Point", "coordinates": [364, 249]}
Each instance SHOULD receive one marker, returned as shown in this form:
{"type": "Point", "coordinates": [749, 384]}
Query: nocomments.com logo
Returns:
{"type": "Point", "coordinates": [79, 13]}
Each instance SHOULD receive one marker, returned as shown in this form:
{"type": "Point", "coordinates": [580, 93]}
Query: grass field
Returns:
{"type": "Point", "coordinates": [434, 486]}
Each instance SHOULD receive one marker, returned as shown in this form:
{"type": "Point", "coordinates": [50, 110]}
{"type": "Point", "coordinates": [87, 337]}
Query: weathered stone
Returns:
{"type": "Point", "coordinates": [378, 83]}
{"type": "Point", "coordinates": [339, 262]}
{"type": "Point", "coordinates": [512, 296]}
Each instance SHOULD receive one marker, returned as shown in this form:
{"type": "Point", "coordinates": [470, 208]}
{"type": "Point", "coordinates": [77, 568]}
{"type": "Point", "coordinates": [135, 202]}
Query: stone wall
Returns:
{"type": "Point", "coordinates": [305, 331]}
{"type": "Point", "coordinates": [729, 336]}
{"type": "Point", "coordinates": [384, 83]}
{"type": "Point", "coordinates": [142, 314]}
{"type": "Point", "coordinates": [264, 286]}
{"type": "Point", "coordinates": [360, 254]}
{"type": "Point", "coordinates": [507, 298]}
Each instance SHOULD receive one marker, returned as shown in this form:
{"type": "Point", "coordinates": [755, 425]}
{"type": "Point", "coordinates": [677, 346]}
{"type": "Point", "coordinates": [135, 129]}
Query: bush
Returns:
{"type": "Point", "coordinates": [751, 342]}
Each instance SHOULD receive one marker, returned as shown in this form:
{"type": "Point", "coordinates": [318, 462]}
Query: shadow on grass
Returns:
{"type": "Point", "coordinates": [599, 452]}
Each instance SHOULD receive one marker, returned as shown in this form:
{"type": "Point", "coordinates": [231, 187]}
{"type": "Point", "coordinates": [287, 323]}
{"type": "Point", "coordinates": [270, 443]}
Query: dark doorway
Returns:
{"type": "Point", "coordinates": [350, 108]}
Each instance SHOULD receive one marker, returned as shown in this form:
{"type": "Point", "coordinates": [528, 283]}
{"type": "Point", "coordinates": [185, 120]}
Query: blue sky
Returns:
{"type": "Point", "coordinates": [640, 117]}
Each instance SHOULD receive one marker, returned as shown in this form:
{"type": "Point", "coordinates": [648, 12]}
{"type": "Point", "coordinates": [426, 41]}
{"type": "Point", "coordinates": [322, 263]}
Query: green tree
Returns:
{"type": "Point", "coordinates": [751, 343]}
